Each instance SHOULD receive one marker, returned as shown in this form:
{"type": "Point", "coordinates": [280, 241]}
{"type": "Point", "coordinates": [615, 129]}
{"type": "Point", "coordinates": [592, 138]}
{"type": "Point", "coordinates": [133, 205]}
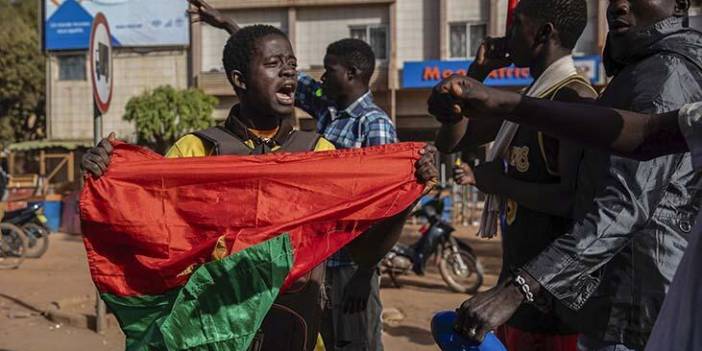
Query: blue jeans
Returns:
{"type": "Point", "coordinates": [586, 343]}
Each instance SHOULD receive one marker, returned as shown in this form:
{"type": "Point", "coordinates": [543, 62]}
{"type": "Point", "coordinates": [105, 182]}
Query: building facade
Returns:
{"type": "Point", "coordinates": [426, 37]}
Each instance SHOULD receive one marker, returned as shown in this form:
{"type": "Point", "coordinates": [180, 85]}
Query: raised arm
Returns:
{"type": "Point", "coordinates": [309, 96]}
{"type": "Point", "coordinates": [630, 134]}
{"type": "Point", "coordinates": [208, 14]}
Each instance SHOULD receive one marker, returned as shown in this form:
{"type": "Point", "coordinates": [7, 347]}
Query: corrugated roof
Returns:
{"type": "Point", "coordinates": [47, 144]}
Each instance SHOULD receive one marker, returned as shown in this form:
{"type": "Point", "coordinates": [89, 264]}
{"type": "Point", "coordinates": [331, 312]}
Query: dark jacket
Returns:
{"type": "Point", "coordinates": [615, 265]}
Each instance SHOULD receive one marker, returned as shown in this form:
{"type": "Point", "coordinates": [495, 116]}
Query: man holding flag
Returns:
{"type": "Point", "coordinates": [261, 66]}
{"type": "Point", "coordinates": [346, 115]}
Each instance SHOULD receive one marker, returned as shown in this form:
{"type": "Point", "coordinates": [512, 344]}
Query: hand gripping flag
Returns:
{"type": "Point", "coordinates": [190, 253]}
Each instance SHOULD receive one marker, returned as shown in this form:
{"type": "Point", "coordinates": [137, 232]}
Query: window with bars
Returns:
{"type": "Point", "coordinates": [465, 38]}
{"type": "Point", "coordinates": [376, 36]}
{"type": "Point", "coordinates": [72, 67]}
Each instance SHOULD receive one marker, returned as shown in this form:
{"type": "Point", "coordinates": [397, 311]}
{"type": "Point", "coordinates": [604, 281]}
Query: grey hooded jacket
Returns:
{"type": "Point", "coordinates": [612, 270]}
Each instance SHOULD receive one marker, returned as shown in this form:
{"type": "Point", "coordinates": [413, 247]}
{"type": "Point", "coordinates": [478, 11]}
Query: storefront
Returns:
{"type": "Point", "coordinates": [418, 77]}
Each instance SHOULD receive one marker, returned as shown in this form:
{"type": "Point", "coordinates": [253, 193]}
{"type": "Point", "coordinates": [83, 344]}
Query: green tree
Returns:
{"type": "Point", "coordinates": [165, 114]}
{"type": "Point", "coordinates": [22, 85]}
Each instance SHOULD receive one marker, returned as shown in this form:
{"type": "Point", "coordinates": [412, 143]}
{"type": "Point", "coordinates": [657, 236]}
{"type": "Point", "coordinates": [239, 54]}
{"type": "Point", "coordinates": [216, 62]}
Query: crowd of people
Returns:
{"type": "Point", "coordinates": [598, 193]}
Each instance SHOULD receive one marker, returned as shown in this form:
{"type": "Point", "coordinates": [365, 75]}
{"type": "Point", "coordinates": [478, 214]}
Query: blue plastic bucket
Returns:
{"type": "Point", "coordinates": [52, 211]}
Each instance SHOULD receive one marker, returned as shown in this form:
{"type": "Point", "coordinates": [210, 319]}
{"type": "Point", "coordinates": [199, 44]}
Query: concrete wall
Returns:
{"type": "Point", "coordinates": [70, 102]}
{"type": "Point", "coordinates": [417, 30]}
{"type": "Point", "coordinates": [467, 10]}
{"type": "Point", "coordinates": [317, 27]}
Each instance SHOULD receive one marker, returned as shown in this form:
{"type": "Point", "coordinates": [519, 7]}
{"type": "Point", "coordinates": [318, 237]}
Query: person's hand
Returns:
{"type": "Point", "coordinates": [442, 104]}
{"type": "Point", "coordinates": [357, 292]}
{"type": "Point", "coordinates": [208, 14]}
{"type": "Point", "coordinates": [492, 54]}
{"type": "Point", "coordinates": [488, 176]}
{"type": "Point", "coordinates": [425, 168]}
{"type": "Point", "coordinates": [457, 96]}
{"type": "Point", "coordinates": [488, 310]}
{"type": "Point", "coordinates": [96, 159]}
{"type": "Point", "coordinates": [463, 174]}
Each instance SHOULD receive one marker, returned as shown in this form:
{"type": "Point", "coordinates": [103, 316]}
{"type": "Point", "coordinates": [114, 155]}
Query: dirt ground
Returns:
{"type": "Point", "coordinates": [61, 277]}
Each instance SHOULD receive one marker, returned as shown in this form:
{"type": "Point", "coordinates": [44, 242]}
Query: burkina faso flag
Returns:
{"type": "Point", "coordinates": [190, 253]}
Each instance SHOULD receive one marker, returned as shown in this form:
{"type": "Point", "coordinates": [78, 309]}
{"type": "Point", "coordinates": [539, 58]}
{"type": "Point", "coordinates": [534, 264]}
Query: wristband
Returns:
{"type": "Point", "coordinates": [521, 283]}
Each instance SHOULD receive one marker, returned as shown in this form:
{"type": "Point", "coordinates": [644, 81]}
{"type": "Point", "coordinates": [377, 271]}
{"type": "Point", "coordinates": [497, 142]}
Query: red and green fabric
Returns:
{"type": "Point", "coordinates": [190, 253]}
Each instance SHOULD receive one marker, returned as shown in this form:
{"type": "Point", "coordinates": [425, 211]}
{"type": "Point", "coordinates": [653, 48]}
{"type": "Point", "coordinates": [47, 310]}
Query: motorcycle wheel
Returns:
{"type": "Point", "coordinates": [13, 246]}
{"type": "Point", "coordinates": [466, 280]}
{"type": "Point", "coordinates": [37, 240]}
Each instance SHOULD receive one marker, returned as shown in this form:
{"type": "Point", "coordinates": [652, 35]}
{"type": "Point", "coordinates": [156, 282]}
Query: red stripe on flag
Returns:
{"type": "Point", "coordinates": [149, 221]}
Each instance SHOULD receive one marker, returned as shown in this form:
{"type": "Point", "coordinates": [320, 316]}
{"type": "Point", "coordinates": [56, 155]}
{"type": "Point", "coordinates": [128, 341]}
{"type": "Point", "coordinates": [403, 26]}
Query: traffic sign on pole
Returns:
{"type": "Point", "coordinates": [101, 62]}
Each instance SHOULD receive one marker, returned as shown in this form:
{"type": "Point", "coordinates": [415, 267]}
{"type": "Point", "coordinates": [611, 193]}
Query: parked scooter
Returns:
{"type": "Point", "coordinates": [13, 246]}
{"type": "Point", "coordinates": [32, 221]}
{"type": "Point", "coordinates": [458, 264]}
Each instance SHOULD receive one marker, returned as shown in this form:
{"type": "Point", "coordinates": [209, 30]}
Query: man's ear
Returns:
{"type": "Point", "coordinates": [544, 33]}
{"type": "Point", "coordinates": [352, 73]}
{"type": "Point", "coordinates": [681, 7]}
{"type": "Point", "coordinates": [237, 80]}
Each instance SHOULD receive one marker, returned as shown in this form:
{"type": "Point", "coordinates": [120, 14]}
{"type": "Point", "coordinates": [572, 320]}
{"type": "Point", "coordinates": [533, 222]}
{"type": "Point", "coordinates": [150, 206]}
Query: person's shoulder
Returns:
{"type": "Point", "coordinates": [375, 114]}
{"type": "Point", "coordinates": [577, 90]}
{"type": "Point", "coordinates": [188, 145]}
{"type": "Point", "coordinates": [668, 63]}
{"type": "Point", "coordinates": [324, 145]}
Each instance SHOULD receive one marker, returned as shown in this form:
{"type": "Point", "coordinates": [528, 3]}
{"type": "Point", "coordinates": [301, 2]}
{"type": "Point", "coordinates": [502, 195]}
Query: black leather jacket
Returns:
{"type": "Point", "coordinates": [613, 268]}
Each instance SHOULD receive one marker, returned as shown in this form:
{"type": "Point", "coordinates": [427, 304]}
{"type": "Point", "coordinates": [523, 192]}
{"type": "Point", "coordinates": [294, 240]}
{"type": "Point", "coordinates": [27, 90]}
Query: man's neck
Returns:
{"type": "Point", "coordinates": [539, 66]}
{"type": "Point", "coordinates": [344, 101]}
{"type": "Point", "coordinates": [253, 119]}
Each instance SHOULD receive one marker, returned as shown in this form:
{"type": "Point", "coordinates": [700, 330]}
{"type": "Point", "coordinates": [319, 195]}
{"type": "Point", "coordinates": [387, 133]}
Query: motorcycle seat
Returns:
{"type": "Point", "coordinates": [10, 215]}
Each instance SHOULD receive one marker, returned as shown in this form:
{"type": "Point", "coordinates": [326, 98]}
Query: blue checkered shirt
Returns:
{"type": "Point", "coordinates": [362, 124]}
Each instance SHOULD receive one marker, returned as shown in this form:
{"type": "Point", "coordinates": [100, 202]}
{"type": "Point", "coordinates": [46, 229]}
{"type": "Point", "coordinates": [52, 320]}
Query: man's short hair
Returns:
{"type": "Point", "coordinates": [569, 17]}
{"type": "Point", "coordinates": [241, 46]}
{"type": "Point", "coordinates": [354, 53]}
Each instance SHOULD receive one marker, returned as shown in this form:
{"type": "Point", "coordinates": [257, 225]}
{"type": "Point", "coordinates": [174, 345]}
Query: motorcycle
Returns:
{"type": "Point", "coordinates": [458, 265]}
{"type": "Point", "coordinates": [13, 246]}
{"type": "Point", "coordinates": [32, 221]}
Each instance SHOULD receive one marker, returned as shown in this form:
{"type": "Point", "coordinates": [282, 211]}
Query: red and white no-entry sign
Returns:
{"type": "Point", "coordinates": [101, 62]}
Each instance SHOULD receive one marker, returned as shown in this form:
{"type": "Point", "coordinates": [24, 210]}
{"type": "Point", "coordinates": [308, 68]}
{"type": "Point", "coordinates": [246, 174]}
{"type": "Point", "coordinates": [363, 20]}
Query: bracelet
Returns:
{"type": "Point", "coordinates": [521, 283]}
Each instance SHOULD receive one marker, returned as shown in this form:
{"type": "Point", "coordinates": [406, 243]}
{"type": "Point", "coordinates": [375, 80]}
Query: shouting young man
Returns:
{"type": "Point", "coordinates": [347, 116]}
{"type": "Point", "coordinates": [614, 267]}
{"type": "Point", "coordinates": [539, 180]}
{"type": "Point", "coordinates": [261, 66]}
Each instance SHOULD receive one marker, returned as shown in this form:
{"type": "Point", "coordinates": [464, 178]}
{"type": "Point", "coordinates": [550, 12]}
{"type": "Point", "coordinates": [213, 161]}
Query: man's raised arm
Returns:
{"type": "Point", "coordinates": [630, 134]}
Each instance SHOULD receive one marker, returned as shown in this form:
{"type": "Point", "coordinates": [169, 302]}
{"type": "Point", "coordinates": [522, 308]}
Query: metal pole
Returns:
{"type": "Point", "coordinates": [100, 309]}
{"type": "Point", "coordinates": [97, 124]}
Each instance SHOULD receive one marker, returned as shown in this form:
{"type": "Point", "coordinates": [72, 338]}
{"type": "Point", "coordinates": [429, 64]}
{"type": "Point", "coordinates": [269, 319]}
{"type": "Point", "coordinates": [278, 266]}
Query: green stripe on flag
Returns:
{"type": "Point", "coordinates": [221, 307]}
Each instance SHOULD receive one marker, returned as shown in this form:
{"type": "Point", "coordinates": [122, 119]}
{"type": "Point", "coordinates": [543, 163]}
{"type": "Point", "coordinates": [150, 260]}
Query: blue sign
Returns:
{"type": "Point", "coordinates": [67, 23]}
{"type": "Point", "coordinates": [426, 74]}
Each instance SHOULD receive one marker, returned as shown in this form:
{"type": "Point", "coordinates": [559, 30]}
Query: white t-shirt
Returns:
{"type": "Point", "coordinates": [679, 324]}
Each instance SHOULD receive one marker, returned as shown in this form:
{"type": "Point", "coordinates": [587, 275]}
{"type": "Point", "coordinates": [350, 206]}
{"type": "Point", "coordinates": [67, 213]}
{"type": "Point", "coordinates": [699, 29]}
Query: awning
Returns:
{"type": "Point", "coordinates": [48, 144]}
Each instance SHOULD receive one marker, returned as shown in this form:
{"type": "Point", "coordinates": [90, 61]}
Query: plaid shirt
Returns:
{"type": "Point", "coordinates": [362, 124]}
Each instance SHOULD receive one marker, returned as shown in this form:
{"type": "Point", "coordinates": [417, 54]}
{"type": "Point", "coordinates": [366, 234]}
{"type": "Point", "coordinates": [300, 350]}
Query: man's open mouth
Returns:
{"type": "Point", "coordinates": [286, 94]}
